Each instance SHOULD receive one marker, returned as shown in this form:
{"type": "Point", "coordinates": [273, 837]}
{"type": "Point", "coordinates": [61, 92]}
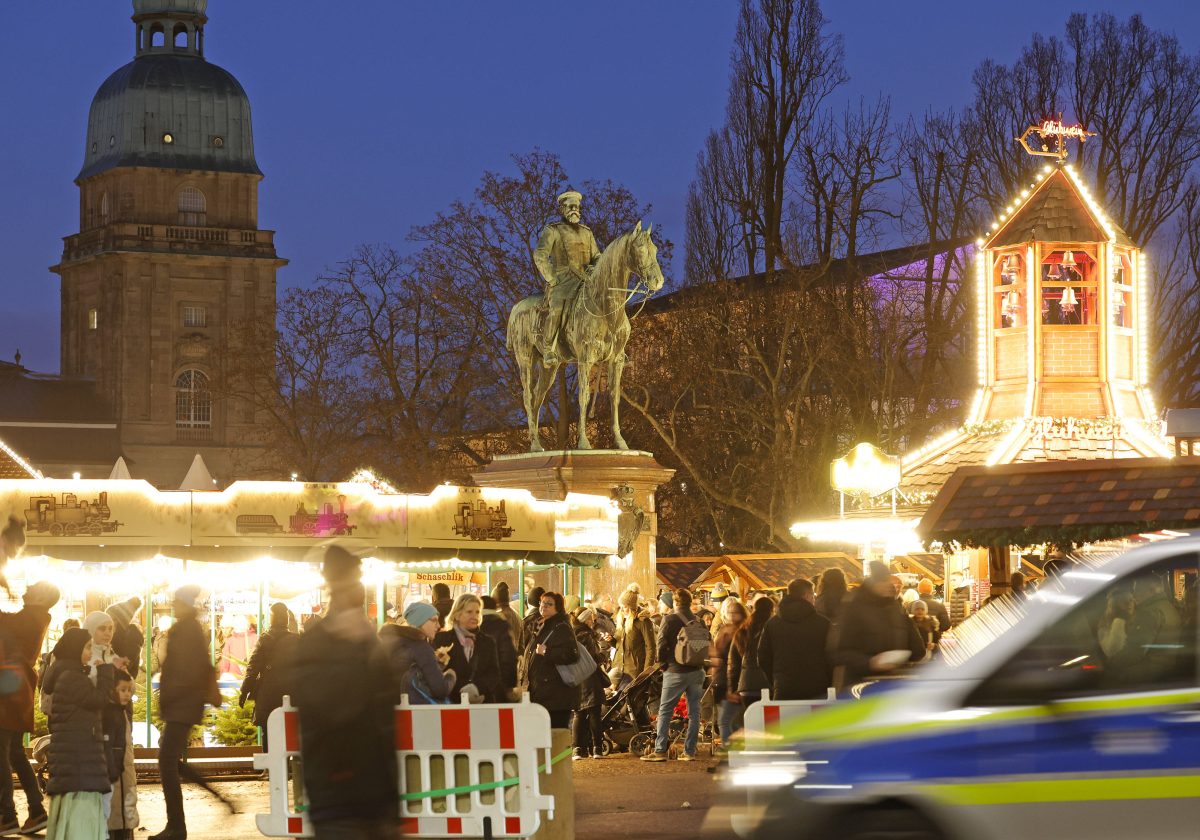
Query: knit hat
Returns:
{"type": "Point", "coordinates": [925, 586]}
{"type": "Point", "coordinates": [668, 599]}
{"type": "Point", "coordinates": [96, 620]}
{"type": "Point", "coordinates": [42, 594]}
{"type": "Point", "coordinates": [586, 615]}
{"type": "Point", "coordinates": [70, 646]}
{"type": "Point", "coordinates": [489, 603]}
{"type": "Point", "coordinates": [501, 593]}
{"type": "Point", "coordinates": [122, 612]}
{"type": "Point", "coordinates": [719, 592]}
{"type": "Point", "coordinates": [535, 596]}
{"type": "Point", "coordinates": [629, 599]}
{"type": "Point", "coordinates": [187, 595]}
{"type": "Point", "coordinates": [418, 612]}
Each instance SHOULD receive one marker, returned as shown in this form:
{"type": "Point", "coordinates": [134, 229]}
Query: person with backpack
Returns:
{"type": "Point", "coordinates": [683, 644]}
{"type": "Point", "coordinates": [269, 674]}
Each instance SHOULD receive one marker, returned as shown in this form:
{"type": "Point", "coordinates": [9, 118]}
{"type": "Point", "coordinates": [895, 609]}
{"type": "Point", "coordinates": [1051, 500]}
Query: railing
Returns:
{"type": "Point", "coordinates": [137, 237]}
{"type": "Point", "coordinates": [193, 434]}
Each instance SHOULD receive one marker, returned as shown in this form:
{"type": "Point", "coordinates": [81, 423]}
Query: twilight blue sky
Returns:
{"type": "Point", "coordinates": [371, 115]}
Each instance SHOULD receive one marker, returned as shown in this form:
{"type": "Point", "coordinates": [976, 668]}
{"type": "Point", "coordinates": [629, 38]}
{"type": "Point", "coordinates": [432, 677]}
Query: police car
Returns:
{"type": "Point", "coordinates": [1075, 714]}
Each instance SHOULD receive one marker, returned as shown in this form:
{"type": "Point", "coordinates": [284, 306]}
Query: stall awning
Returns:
{"type": "Point", "coordinates": [1076, 501]}
{"type": "Point", "coordinates": [121, 521]}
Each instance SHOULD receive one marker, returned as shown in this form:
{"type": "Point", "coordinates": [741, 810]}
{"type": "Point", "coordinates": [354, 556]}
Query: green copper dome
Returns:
{"type": "Point", "coordinates": [150, 7]}
{"type": "Point", "coordinates": [170, 108]}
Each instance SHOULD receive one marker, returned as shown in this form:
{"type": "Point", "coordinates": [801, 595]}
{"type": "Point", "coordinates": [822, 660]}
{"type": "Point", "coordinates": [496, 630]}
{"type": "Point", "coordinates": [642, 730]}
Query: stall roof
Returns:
{"type": "Point", "coordinates": [123, 520]}
{"type": "Point", "coordinates": [775, 571]}
{"type": "Point", "coordinates": [1029, 503]}
{"type": "Point", "coordinates": [679, 572]}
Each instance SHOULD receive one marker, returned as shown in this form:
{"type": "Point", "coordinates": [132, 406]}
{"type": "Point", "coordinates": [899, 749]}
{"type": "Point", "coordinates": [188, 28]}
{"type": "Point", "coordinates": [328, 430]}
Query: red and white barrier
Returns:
{"type": "Point", "coordinates": [768, 714]}
{"type": "Point", "coordinates": [481, 763]}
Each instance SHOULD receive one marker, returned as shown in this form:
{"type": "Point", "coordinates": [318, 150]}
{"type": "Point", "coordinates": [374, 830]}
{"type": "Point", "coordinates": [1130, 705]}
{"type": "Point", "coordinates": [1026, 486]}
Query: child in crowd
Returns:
{"type": "Point", "coordinates": [78, 771]}
{"type": "Point", "coordinates": [927, 625]}
{"type": "Point", "coordinates": [118, 740]}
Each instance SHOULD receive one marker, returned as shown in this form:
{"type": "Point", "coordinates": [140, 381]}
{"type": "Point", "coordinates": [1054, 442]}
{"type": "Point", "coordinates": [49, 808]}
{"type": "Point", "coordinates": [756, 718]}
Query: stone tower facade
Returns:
{"type": "Point", "coordinates": [169, 264]}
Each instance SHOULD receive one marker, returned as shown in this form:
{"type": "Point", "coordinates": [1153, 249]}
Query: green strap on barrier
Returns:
{"type": "Point", "coordinates": [455, 791]}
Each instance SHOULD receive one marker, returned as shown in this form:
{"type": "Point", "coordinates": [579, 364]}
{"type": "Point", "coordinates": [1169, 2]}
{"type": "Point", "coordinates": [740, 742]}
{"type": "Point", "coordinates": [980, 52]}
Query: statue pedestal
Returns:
{"type": "Point", "coordinates": [551, 475]}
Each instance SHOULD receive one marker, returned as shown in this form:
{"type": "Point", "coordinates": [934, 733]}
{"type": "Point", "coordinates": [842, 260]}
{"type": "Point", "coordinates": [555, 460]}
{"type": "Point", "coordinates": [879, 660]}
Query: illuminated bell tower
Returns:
{"type": "Point", "coordinates": [1062, 362]}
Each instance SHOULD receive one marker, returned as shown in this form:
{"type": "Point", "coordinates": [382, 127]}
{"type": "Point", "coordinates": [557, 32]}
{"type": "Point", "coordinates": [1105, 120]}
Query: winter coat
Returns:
{"type": "Point", "coordinates": [937, 609]}
{"type": "Point", "coordinates": [187, 673]}
{"type": "Point", "coordinates": [21, 637]}
{"type": "Point", "coordinates": [1152, 642]}
{"type": "Point", "coordinates": [793, 652]}
{"type": "Point", "coordinates": [591, 692]}
{"type": "Point", "coordinates": [744, 675]}
{"type": "Point", "coordinates": [871, 624]}
{"type": "Point", "coordinates": [606, 624]}
{"type": "Point", "coordinates": [408, 649]}
{"type": "Point", "coordinates": [829, 604]}
{"type": "Point", "coordinates": [76, 756]}
{"type": "Point", "coordinates": [546, 687]}
{"type": "Point", "coordinates": [482, 669]}
{"type": "Point", "coordinates": [529, 628]}
{"type": "Point", "coordinates": [346, 693]}
{"type": "Point", "coordinates": [668, 634]}
{"type": "Point", "coordinates": [719, 660]}
{"type": "Point", "coordinates": [269, 674]}
{"type": "Point", "coordinates": [236, 653]}
{"type": "Point", "coordinates": [494, 626]}
{"type": "Point", "coordinates": [118, 727]}
{"type": "Point", "coordinates": [514, 625]}
{"type": "Point", "coordinates": [635, 639]}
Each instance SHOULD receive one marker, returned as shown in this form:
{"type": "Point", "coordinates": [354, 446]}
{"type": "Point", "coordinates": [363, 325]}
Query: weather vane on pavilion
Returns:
{"type": "Point", "coordinates": [1048, 138]}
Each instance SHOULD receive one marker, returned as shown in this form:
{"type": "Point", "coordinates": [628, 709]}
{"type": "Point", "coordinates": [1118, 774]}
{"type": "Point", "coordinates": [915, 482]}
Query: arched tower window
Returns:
{"type": "Point", "coordinates": [104, 208]}
{"type": "Point", "coordinates": [193, 209]}
{"type": "Point", "coordinates": [158, 37]}
{"type": "Point", "coordinates": [193, 405]}
{"type": "Point", "coordinates": [180, 38]}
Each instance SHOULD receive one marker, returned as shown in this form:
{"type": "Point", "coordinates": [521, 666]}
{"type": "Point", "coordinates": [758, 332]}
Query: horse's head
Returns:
{"type": "Point", "coordinates": [644, 257]}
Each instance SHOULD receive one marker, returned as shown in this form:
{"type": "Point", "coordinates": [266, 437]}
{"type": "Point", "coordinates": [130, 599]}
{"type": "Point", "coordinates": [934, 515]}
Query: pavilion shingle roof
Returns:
{"type": "Point", "coordinates": [1135, 493]}
{"type": "Point", "coordinates": [1054, 213]}
{"type": "Point", "coordinates": [678, 573]}
{"type": "Point", "coordinates": [9, 466]}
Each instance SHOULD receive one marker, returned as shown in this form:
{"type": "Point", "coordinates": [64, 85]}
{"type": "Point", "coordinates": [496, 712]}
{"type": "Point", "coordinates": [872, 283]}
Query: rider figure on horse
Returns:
{"type": "Point", "coordinates": [566, 253]}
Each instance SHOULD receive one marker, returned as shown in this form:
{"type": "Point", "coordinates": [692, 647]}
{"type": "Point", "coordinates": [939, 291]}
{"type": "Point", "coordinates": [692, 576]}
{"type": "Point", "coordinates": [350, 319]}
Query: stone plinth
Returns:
{"type": "Point", "coordinates": [551, 475]}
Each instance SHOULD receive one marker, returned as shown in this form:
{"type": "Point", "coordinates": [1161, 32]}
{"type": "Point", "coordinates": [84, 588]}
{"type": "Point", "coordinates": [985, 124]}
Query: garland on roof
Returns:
{"type": "Point", "coordinates": [1063, 536]}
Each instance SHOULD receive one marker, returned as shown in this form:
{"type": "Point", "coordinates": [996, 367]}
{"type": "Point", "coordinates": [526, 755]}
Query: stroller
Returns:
{"type": "Point", "coordinates": [619, 720]}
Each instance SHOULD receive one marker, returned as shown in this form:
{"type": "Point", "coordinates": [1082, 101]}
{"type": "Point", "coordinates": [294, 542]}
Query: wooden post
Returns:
{"type": "Point", "coordinates": [998, 572]}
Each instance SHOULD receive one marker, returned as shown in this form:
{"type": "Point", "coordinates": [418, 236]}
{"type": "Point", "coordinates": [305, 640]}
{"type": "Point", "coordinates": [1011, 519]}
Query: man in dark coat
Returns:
{"type": "Point", "coordinates": [187, 683]}
{"type": "Point", "coordinates": [442, 601]}
{"type": "Point", "coordinates": [873, 622]}
{"type": "Point", "coordinates": [346, 693]}
{"type": "Point", "coordinates": [21, 637]}
{"type": "Point", "coordinates": [497, 627]}
{"type": "Point", "coordinates": [127, 638]}
{"type": "Point", "coordinates": [793, 648]}
{"type": "Point", "coordinates": [269, 674]}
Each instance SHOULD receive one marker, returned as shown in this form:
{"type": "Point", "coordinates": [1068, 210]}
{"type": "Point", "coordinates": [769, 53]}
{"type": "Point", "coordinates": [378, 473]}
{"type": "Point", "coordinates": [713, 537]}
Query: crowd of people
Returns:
{"type": "Point", "coordinates": [346, 675]}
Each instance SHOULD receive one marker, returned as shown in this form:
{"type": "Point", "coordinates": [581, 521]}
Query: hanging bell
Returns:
{"type": "Point", "coordinates": [1068, 258]}
{"type": "Point", "coordinates": [1012, 303]}
{"type": "Point", "coordinates": [1055, 272]}
{"type": "Point", "coordinates": [1069, 301]}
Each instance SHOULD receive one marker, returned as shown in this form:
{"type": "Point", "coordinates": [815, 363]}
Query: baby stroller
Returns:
{"type": "Point", "coordinates": [40, 747]}
{"type": "Point", "coordinates": [643, 742]}
{"type": "Point", "coordinates": [619, 720]}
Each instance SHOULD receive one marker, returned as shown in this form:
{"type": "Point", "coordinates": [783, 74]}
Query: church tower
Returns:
{"type": "Point", "coordinates": [169, 263]}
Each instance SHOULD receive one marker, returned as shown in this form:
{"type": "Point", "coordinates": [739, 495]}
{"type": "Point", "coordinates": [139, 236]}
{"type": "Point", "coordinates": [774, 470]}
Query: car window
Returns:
{"type": "Point", "coordinates": [1136, 634]}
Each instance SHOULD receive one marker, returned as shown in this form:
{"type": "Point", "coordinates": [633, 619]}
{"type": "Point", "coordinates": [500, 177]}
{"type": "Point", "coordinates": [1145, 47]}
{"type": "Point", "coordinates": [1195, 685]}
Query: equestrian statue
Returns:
{"type": "Point", "coordinates": [581, 317]}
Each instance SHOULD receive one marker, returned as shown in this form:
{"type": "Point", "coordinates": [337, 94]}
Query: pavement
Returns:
{"type": "Point", "coordinates": [615, 797]}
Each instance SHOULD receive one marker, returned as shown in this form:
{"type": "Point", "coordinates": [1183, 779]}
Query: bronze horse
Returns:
{"type": "Point", "coordinates": [594, 331]}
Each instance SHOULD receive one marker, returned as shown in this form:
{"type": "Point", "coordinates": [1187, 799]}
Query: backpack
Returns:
{"type": "Point", "coordinates": [691, 645]}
